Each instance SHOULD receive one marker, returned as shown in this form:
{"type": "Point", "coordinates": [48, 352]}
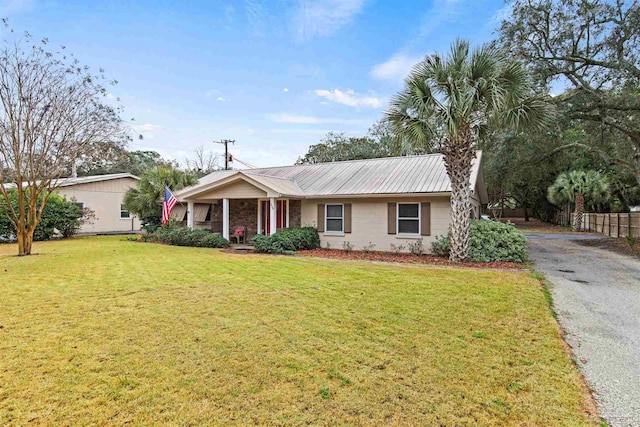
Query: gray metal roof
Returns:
{"type": "Point", "coordinates": [66, 182]}
{"type": "Point", "coordinates": [389, 175]}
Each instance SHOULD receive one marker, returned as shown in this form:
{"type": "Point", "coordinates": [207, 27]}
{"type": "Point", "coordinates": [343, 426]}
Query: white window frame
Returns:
{"type": "Point", "coordinates": [419, 233]}
{"type": "Point", "coordinates": [326, 218]}
{"type": "Point", "coordinates": [124, 210]}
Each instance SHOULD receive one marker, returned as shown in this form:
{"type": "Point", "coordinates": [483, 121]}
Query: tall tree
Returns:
{"type": "Point", "coordinates": [577, 187]}
{"type": "Point", "coordinates": [145, 200]}
{"type": "Point", "coordinates": [53, 113]}
{"type": "Point", "coordinates": [203, 162]}
{"type": "Point", "coordinates": [593, 48]}
{"type": "Point", "coordinates": [336, 147]}
{"type": "Point", "coordinates": [452, 101]}
{"type": "Point", "coordinates": [120, 160]}
{"type": "Point", "coordinates": [380, 141]}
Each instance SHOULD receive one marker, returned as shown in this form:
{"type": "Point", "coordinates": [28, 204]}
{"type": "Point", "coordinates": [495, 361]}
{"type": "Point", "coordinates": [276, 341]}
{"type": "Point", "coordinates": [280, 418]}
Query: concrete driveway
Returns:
{"type": "Point", "coordinates": [596, 293]}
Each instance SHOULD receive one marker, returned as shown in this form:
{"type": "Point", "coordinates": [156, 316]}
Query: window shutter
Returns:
{"type": "Point", "coordinates": [347, 217]}
{"type": "Point", "coordinates": [320, 218]}
{"type": "Point", "coordinates": [425, 220]}
{"type": "Point", "coordinates": [391, 218]}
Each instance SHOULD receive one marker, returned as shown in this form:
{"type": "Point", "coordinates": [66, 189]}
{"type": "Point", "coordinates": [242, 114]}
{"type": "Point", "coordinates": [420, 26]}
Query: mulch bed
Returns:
{"type": "Point", "coordinates": [404, 258]}
{"type": "Point", "coordinates": [618, 245]}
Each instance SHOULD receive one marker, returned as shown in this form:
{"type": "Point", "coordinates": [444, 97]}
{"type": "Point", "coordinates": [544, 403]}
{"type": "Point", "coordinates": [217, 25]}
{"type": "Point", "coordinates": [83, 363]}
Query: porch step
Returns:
{"type": "Point", "coordinates": [245, 249]}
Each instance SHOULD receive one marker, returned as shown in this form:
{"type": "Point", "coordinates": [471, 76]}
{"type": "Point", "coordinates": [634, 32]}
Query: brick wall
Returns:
{"type": "Point", "coordinates": [295, 213]}
{"type": "Point", "coordinates": [243, 213]}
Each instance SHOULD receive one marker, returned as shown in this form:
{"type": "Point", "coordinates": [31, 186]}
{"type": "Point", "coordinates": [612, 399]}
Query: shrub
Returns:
{"type": "Point", "coordinates": [304, 238]}
{"type": "Point", "coordinates": [489, 241]}
{"type": "Point", "coordinates": [441, 246]}
{"type": "Point", "coordinates": [631, 240]}
{"type": "Point", "coordinates": [417, 247]}
{"type": "Point", "coordinates": [397, 249]}
{"type": "Point", "coordinates": [275, 244]}
{"type": "Point", "coordinates": [59, 218]}
{"type": "Point", "coordinates": [187, 237]}
{"type": "Point", "coordinates": [347, 247]}
{"type": "Point", "coordinates": [368, 247]}
{"type": "Point", "coordinates": [287, 241]}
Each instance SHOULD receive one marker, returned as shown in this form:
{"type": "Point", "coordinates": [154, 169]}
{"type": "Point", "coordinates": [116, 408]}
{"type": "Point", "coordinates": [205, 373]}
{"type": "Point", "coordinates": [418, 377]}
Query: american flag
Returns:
{"type": "Point", "coordinates": [169, 203]}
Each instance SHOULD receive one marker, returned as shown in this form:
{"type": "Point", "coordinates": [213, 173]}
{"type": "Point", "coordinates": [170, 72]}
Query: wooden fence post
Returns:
{"type": "Point", "coordinates": [609, 233]}
{"type": "Point", "coordinates": [629, 224]}
{"type": "Point", "coordinates": [618, 224]}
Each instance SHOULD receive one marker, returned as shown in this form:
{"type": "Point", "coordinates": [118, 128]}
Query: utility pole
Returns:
{"type": "Point", "coordinates": [226, 143]}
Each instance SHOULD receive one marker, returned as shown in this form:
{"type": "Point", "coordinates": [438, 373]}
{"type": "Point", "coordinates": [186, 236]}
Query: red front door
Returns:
{"type": "Point", "coordinates": [265, 216]}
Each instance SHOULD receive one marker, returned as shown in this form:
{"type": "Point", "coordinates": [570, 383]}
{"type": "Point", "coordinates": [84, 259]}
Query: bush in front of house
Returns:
{"type": "Point", "coordinates": [60, 218]}
{"type": "Point", "coordinates": [276, 244]}
{"type": "Point", "coordinates": [304, 238]}
{"type": "Point", "coordinates": [186, 237]}
{"type": "Point", "coordinates": [489, 241]}
{"type": "Point", "coordinates": [287, 241]}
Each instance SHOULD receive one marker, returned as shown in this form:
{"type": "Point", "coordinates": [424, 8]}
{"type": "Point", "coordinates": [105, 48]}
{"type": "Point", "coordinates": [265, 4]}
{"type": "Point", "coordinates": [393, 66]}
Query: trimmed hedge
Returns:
{"type": "Point", "coordinates": [287, 241]}
{"type": "Point", "coordinates": [186, 237]}
{"type": "Point", "coordinates": [488, 241]}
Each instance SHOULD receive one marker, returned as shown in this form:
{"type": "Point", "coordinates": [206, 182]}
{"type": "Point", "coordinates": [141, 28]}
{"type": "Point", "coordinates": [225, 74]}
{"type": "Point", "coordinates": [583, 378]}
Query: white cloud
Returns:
{"type": "Point", "coordinates": [440, 13]}
{"type": "Point", "coordinates": [312, 120]}
{"type": "Point", "coordinates": [396, 68]}
{"type": "Point", "coordinates": [211, 93]}
{"type": "Point", "coordinates": [285, 89]}
{"type": "Point", "coordinates": [221, 99]}
{"type": "Point", "coordinates": [321, 18]}
{"type": "Point", "coordinates": [147, 127]}
{"type": "Point", "coordinates": [147, 130]}
{"type": "Point", "coordinates": [349, 98]}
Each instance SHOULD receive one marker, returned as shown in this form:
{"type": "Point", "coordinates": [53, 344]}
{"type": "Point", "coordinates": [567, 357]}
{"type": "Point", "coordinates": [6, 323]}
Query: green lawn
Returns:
{"type": "Point", "coordinates": [104, 331]}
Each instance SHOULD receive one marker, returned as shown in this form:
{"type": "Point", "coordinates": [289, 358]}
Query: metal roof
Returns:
{"type": "Point", "coordinates": [66, 182]}
{"type": "Point", "coordinates": [388, 175]}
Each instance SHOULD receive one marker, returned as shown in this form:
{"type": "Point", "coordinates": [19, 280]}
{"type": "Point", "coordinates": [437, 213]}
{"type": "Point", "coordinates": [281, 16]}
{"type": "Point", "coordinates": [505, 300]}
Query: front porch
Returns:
{"type": "Point", "coordinates": [253, 215]}
{"type": "Point", "coordinates": [226, 201]}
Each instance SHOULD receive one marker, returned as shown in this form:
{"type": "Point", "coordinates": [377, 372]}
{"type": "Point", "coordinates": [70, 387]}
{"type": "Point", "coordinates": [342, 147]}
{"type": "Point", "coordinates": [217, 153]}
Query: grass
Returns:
{"type": "Point", "coordinates": [102, 331]}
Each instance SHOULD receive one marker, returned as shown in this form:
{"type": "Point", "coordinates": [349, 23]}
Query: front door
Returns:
{"type": "Point", "coordinates": [265, 216]}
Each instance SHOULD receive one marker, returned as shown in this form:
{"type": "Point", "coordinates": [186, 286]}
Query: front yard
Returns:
{"type": "Point", "coordinates": [103, 331]}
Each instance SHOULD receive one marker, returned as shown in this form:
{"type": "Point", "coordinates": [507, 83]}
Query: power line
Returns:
{"type": "Point", "coordinates": [249, 165]}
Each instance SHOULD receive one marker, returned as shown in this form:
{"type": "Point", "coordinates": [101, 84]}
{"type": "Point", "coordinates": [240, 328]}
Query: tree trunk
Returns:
{"type": "Point", "coordinates": [526, 213]}
{"type": "Point", "coordinates": [25, 241]}
{"type": "Point", "coordinates": [458, 155]}
{"type": "Point", "coordinates": [577, 216]}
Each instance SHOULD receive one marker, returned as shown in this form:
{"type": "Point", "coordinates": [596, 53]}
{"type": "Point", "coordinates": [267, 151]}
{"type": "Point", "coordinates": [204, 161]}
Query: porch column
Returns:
{"type": "Point", "coordinates": [272, 216]}
{"type": "Point", "coordinates": [259, 222]}
{"type": "Point", "coordinates": [225, 218]}
{"type": "Point", "coordinates": [190, 216]}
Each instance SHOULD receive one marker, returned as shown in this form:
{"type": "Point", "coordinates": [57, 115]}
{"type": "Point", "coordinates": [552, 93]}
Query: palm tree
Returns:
{"type": "Point", "coordinates": [451, 102]}
{"type": "Point", "coordinates": [145, 200]}
{"type": "Point", "coordinates": [577, 187]}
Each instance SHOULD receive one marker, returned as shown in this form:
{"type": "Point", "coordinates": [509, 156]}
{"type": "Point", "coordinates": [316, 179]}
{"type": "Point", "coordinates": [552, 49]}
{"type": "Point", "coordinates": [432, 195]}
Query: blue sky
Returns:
{"type": "Point", "coordinates": [275, 75]}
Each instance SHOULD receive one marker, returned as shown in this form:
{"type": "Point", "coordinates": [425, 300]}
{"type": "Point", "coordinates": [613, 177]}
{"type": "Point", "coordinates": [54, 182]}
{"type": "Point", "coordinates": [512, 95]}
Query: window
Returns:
{"type": "Point", "coordinates": [334, 219]}
{"type": "Point", "coordinates": [80, 205]}
{"type": "Point", "coordinates": [124, 214]}
{"type": "Point", "coordinates": [408, 218]}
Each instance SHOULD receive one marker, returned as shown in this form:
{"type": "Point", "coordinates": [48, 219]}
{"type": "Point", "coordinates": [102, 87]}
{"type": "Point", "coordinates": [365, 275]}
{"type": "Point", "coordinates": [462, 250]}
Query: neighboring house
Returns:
{"type": "Point", "coordinates": [104, 195]}
{"type": "Point", "coordinates": [386, 201]}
